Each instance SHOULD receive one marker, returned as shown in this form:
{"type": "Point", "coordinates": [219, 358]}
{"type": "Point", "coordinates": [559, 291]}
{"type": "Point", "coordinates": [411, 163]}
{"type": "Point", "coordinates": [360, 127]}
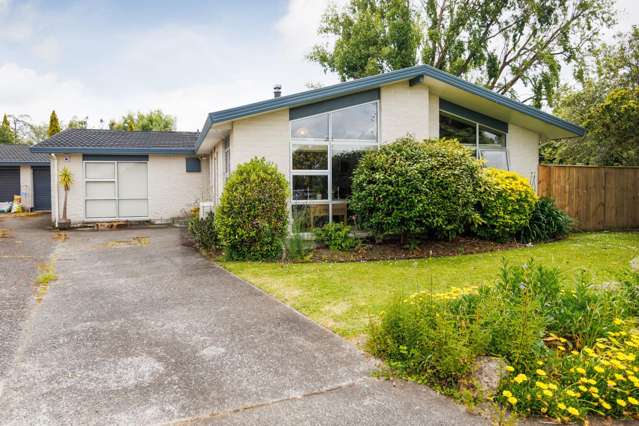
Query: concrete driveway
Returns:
{"type": "Point", "coordinates": [141, 329]}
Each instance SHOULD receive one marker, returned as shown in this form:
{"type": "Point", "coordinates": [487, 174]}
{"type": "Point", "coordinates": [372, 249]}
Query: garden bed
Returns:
{"type": "Point", "coordinates": [425, 249]}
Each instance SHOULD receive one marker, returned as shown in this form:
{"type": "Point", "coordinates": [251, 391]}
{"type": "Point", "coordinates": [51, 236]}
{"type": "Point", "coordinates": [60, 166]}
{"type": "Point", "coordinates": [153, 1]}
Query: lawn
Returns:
{"type": "Point", "coordinates": [343, 296]}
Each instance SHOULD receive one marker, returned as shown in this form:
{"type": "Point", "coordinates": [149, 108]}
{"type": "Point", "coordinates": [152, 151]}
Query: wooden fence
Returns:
{"type": "Point", "coordinates": [597, 198]}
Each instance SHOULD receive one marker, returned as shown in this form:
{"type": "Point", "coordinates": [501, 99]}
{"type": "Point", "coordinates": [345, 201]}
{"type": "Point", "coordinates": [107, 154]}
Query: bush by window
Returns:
{"type": "Point", "coordinates": [252, 218]}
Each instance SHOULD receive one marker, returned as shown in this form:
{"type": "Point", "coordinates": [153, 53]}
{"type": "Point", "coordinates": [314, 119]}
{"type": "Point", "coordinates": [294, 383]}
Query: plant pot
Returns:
{"type": "Point", "coordinates": [64, 224]}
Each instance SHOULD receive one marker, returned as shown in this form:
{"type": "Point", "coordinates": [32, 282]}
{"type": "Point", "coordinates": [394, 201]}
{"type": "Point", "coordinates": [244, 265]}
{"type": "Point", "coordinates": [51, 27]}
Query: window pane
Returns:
{"type": "Point", "coordinates": [310, 157]}
{"type": "Point", "coordinates": [310, 187]}
{"type": "Point", "coordinates": [495, 158]}
{"type": "Point", "coordinates": [100, 189]}
{"type": "Point", "coordinates": [342, 213]}
{"type": "Point", "coordinates": [100, 208]}
{"type": "Point", "coordinates": [132, 180]}
{"type": "Point", "coordinates": [359, 122]}
{"type": "Point", "coordinates": [345, 159]}
{"type": "Point", "coordinates": [310, 128]}
{"type": "Point", "coordinates": [132, 208]}
{"type": "Point", "coordinates": [99, 170]}
{"type": "Point", "coordinates": [488, 137]}
{"type": "Point", "coordinates": [310, 216]}
{"type": "Point", "coordinates": [450, 127]}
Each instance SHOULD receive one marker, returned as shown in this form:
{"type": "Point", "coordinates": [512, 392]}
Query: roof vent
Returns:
{"type": "Point", "coordinates": [277, 90]}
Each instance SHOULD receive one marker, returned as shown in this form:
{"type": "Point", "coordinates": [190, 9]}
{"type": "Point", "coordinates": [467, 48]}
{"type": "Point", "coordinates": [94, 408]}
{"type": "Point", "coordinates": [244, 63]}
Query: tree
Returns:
{"type": "Point", "coordinates": [154, 120]}
{"type": "Point", "coordinates": [54, 124]}
{"type": "Point", "coordinates": [76, 123]}
{"type": "Point", "coordinates": [66, 179]}
{"type": "Point", "coordinates": [610, 78]}
{"type": "Point", "coordinates": [509, 46]}
{"type": "Point", "coordinates": [6, 134]}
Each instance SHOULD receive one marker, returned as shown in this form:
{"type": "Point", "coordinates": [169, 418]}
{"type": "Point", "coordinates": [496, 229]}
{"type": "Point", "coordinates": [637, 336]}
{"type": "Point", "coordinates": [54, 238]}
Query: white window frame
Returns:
{"type": "Point", "coordinates": [329, 142]}
{"type": "Point", "coordinates": [116, 195]}
{"type": "Point", "coordinates": [477, 147]}
{"type": "Point", "coordinates": [226, 145]}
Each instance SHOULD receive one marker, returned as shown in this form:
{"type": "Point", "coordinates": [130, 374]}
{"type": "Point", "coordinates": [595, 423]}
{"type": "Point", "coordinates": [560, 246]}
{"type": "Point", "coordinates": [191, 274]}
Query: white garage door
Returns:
{"type": "Point", "coordinates": [116, 189]}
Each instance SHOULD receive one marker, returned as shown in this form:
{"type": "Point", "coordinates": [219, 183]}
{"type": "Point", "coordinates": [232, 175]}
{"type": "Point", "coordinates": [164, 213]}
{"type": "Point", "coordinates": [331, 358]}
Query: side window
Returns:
{"type": "Point", "coordinates": [227, 159]}
{"type": "Point", "coordinates": [193, 165]}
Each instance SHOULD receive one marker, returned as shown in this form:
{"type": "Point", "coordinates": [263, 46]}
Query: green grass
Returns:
{"type": "Point", "coordinates": [344, 296]}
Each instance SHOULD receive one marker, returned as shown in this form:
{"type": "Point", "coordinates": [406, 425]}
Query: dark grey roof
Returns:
{"type": "Point", "coordinates": [97, 141]}
{"type": "Point", "coordinates": [20, 154]}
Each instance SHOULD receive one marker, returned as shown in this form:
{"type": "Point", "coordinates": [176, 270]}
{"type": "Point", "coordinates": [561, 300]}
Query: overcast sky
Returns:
{"type": "Point", "coordinates": [103, 58]}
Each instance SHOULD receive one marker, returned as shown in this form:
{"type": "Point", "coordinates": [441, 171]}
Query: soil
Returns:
{"type": "Point", "coordinates": [425, 249]}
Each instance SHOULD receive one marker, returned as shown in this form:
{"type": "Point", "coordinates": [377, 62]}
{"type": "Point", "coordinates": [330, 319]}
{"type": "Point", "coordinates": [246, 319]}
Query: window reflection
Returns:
{"type": "Point", "coordinates": [310, 188]}
{"type": "Point", "coordinates": [344, 161]}
{"type": "Point", "coordinates": [358, 122]}
{"type": "Point", "coordinates": [307, 217]}
{"type": "Point", "coordinates": [310, 157]}
{"type": "Point", "coordinates": [315, 127]}
{"type": "Point", "coordinates": [450, 127]}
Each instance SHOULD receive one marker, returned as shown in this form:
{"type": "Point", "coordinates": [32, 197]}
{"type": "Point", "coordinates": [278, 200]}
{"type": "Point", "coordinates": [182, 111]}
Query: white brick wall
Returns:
{"type": "Point", "coordinates": [404, 110]}
{"type": "Point", "coordinates": [26, 186]}
{"type": "Point", "coordinates": [523, 151]}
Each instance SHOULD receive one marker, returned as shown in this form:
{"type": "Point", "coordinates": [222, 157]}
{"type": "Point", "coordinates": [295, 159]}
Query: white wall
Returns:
{"type": "Point", "coordinates": [433, 115]}
{"type": "Point", "coordinates": [172, 191]}
{"type": "Point", "coordinates": [404, 110]}
{"type": "Point", "coordinates": [75, 205]}
{"type": "Point", "coordinates": [26, 186]}
{"type": "Point", "coordinates": [523, 151]}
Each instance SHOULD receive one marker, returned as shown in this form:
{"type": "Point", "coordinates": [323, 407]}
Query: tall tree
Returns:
{"type": "Point", "coordinates": [515, 47]}
{"type": "Point", "coordinates": [6, 134]}
{"type": "Point", "coordinates": [154, 120]}
{"type": "Point", "coordinates": [54, 124]}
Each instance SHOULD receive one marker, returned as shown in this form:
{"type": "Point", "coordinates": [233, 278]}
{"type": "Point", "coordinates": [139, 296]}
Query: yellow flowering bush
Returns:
{"type": "Point", "coordinates": [599, 380]}
{"type": "Point", "coordinates": [506, 204]}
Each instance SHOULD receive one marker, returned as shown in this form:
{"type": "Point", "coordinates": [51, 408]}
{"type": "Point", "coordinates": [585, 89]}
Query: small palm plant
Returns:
{"type": "Point", "coordinates": [66, 179]}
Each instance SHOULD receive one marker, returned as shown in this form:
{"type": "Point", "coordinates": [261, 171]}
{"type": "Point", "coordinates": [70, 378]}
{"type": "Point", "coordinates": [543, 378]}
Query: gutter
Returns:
{"type": "Point", "coordinates": [113, 151]}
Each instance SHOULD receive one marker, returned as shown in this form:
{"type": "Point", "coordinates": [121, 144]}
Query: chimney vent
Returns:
{"type": "Point", "coordinates": [277, 90]}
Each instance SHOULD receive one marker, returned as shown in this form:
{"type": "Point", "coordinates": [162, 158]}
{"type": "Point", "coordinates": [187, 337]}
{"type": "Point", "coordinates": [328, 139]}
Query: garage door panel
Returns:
{"type": "Point", "coordinates": [42, 188]}
{"type": "Point", "coordinates": [9, 183]}
{"type": "Point", "coordinates": [100, 209]}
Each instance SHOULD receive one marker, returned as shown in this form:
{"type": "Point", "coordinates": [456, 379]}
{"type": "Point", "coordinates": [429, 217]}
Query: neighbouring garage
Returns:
{"type": "Point", "coordinates": [26, 174]}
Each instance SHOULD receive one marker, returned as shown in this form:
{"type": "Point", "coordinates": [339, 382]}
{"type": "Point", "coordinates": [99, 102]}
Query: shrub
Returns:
{"type": "Point", "coordinates": [336, 236]}
{"type": "Point", "coordinates": [506, 203]}
{"type": "Point", "coordinates": [547, 223]}
{"type": "Point", "coordinates": [204, 231]}
{"type": "Point", "coordinates": [252, 218]}
{"type": "Point", "coordinates": [410, 188]}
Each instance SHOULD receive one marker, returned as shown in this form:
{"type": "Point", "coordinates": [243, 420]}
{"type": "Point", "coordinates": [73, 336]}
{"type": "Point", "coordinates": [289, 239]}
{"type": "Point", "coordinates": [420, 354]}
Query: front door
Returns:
{"type": "Point", "coordinates": [41, 188]}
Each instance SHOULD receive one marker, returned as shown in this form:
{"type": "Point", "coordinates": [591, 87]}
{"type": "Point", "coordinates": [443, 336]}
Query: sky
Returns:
{"type": "Point", "coordinates": [103, 58]}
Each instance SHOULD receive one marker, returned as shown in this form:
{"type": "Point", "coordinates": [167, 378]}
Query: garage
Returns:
{"type": "Point", "coordinates": [9, 183]}
{"type": "Point", "coordinates": [27, 174]}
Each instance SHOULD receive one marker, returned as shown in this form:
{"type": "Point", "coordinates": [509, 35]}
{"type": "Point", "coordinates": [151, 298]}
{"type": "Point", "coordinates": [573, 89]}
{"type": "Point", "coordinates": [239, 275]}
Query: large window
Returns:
{"type": "Point", "coordinates": [487, 144]}
{"type": "Point", "coordinates": [116, 189]}
{"type": "Point", "coordinates": [325, 149]}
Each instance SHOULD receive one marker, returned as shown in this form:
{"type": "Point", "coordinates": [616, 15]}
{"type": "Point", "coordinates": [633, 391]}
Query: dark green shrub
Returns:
{"type": "Point", "coordinates": [546, 223]}
{"type": "Point", "coordinates": [336, 236]}
{"type": "Point", "coordinates": [506, 203]}
{"type": "Point", "coordinates": [410, 188]}
{"type": "Point", "coordinates": [204, 231]}
{"type": "Point", "coordinates": [252, 218]}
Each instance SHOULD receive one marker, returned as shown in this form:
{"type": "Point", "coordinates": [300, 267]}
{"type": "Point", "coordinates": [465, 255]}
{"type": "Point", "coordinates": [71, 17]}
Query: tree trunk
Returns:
{"type": "Point", "coordinates": [64, 208]}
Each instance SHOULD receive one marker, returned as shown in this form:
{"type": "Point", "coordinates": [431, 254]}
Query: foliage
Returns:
{"type": "Point", "coordinates": [204, 231]}
{"type": "Point", "coordinates": [77, 123]}
{"type": "Point", "coordinates": [499, 44]}
{"type": "Point", "coordinates": [546, 223]}
{"type": "Point", "coordinates": [411, 188]}
{"type": "Point", "coordinates": [252, 217]}
{"type": "Point", "coordinates": [373, 36]}
{"type": "Point", "coordinates": [336, 236]}
{"type": "Point", "coordinates": [545, 333]}
{"type": "Point", "coordinates": [506, 203]}
{"type": "Point", "coordinates": [6, 134]}
{"type": "Point", "coordinates": [297, 247]}
{"type": "Point", "coordinates": [607, 91]}
{"type": "Point", "coordinates": [54, 124]}
{"type": "Point", "coordinates": [154, 120]}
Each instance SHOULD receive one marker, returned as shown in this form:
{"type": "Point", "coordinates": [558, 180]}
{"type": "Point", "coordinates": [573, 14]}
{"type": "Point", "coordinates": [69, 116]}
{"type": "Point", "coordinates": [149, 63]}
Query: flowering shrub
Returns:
{"type": "Point", "coordinates": [571, 350]}
{"type": "Point", "coordinates": [506, 204]}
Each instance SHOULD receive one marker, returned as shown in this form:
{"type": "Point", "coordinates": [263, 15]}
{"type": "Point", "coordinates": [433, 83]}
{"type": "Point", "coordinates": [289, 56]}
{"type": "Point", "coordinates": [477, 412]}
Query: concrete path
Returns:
{"type": "Point", "coordinates": [140, 329]}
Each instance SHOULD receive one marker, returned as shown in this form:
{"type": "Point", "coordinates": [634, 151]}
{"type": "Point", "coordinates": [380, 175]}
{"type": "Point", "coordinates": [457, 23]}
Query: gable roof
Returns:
{"type": "Point", "coordinates": [16, 155]}
{"type": "Point", "coordinates": [366, 83]}
{"type": "Point", "coordinates": [99, 141]}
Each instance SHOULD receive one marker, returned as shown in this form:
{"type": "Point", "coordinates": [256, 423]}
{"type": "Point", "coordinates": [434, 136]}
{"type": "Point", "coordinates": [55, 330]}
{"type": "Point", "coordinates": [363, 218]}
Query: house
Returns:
{"type": "Point", "coordinates": [26, 174]}
{"type": "Point", "coordinates": [315, 138]}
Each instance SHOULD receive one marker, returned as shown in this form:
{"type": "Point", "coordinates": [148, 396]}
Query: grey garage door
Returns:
{"type": "Point", "coordinates": [41, 188]}
{"type": "Point", "coordinates": [9, 183]}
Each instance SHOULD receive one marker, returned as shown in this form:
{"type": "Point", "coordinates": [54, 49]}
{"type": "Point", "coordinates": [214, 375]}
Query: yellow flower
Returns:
{"type": "Point", "coordinates": [621, 402]}
{"type": "Point", "coordinates": [540, 363]}
{"type": "Point", "coordinates": [618, 321]}
{"type": "Point", "coordinates": [600, 345]}
{"type": "Point", "coordinates": [633, 401]}
{"type": "Point", "coordinates": [583, 388]}
{"type": "Point", "coordinates": [573, 411]}
{"type": "Point", "coordinates": [552, 386]}
{"type": "Point", "coordinates": [540, 372]}
{"type": "Point", "coordinates": [599, 369]}
{"type": "Point", "coordinates": [512, 400]}
{"type": "Point", "coordinates": [541, 385]}
{"type": "Point", "coordinates": [580, 370]}
{"type": "Point", "coordinates": [611, 383]}
{"type": "Point", "coordinates": [548, 392]}
{"type": "Point", "coordinates": [574, 352]}
{"type": "Point", "coordinates": [605, 405]}
{"type": "Point", "coordinates": [593, 390]}
{"type": "Point", "coordinates": [620, 377]}
{"type": "Point", "coordinates": [573, 393]}
{"type": "Point", "coordinates": [507, 394]}
{"type": "Point", "coordinates": [561, 406]}
{"type": "Point", "coordinates": [520, 378]}
{"type": "Point", "coordinates": [510, 369]}
{"type": "Point", "coordinates": [589, 351]}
